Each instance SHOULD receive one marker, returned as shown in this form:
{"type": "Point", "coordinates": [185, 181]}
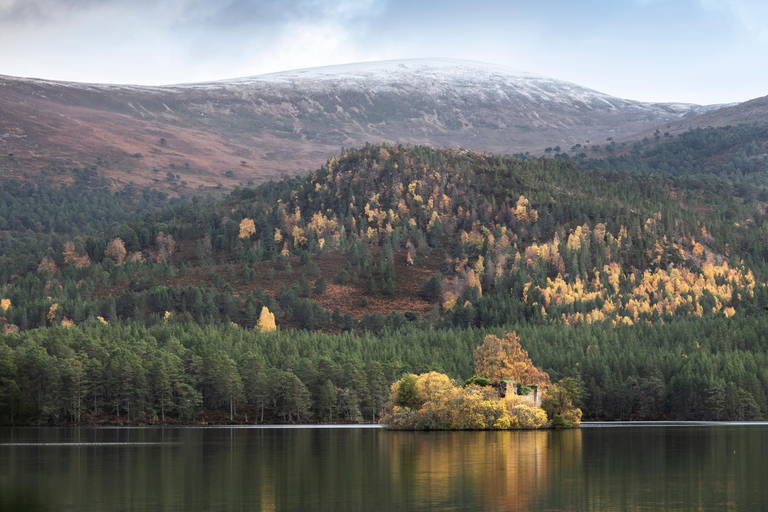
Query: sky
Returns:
{"type": "Point", "coordinates": [696, 51]}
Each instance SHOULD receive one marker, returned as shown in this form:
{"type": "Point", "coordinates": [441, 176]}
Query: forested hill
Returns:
{"type": "Point", "coordinates": [57, 206]}
{"type": "Point", "coordinates": [735, 156]}
{"type": "Point", "coordinates": [647, 288]}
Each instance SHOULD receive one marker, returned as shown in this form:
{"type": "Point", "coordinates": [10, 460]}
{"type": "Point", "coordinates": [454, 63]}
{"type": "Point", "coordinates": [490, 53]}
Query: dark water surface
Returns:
{"type": "Point", "coordinates": [617, 467]}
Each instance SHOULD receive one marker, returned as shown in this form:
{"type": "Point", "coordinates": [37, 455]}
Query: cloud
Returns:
{"type": "Point", "coordinates": [264, 36]}
{"type": "Point", "coordinates": [223, 14]}
{"type": "Point", "coordinates": [37, 11]}
{"type": "Point", "coordinates": [267, 12]}
{"type": "Point", "coordinates": [163, 41]}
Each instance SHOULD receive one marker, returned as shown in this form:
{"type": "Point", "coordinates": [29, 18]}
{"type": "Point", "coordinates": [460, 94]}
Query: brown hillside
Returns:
{"type": "Point", "coordinates": [347, 298]}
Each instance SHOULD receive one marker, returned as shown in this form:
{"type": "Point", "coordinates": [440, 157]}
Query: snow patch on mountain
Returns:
{"type": "Point", "coordinates": [428, 76]}
{"type": "Point", "coordinates": [445, 79]}
{"type": "Point", "coordinates": [468, 80]}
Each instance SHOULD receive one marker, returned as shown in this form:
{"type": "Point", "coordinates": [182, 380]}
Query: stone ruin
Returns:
{"type": "Point", "coordinates": [509, 387]}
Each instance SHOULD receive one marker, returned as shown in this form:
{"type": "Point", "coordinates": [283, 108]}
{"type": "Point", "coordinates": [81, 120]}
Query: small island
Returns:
{"type": "Point", "coordinates": [507, 393]}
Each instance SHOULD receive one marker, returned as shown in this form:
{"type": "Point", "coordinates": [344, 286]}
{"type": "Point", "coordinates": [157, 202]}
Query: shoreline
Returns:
{"type": "Point", "coordinates": [350, 426]}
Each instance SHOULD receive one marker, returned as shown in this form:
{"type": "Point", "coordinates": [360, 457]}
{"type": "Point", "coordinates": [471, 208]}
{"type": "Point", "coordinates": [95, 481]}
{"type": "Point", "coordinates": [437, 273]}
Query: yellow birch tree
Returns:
{"type": "Point", "coordinates": [266, 320]}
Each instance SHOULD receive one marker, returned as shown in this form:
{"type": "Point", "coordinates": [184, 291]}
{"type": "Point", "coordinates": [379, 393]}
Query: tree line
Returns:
{"type": "Point", "coordinates": [712, 368]}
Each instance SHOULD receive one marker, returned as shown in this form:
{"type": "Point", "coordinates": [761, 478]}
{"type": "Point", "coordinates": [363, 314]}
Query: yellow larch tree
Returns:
{"type": "Point", "coordinates": [247, 228]}
{"type": "Point", "coordinates": [71, 256]}
{"type": "Point", "coordinates": [524, 212]}
{"type": "Point", "coordinates": [266, 320]}
{"type": "Point", "coordinates": [52, 313]}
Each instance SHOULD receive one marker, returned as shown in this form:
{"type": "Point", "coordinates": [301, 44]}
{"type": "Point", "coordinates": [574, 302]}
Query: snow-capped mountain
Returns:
{"type": "Point", "coordinates": [467, 80]}
{"type": "Point", "coordinates": [265, 126]}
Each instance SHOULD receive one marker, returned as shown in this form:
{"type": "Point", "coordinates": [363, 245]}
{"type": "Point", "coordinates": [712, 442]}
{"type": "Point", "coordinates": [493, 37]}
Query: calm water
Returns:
{"type": "Point", "coordinates": [662, 467]}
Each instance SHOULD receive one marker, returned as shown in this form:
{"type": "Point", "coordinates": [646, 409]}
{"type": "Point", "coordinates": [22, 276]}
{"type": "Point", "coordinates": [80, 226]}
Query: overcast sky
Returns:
{"type": "Point", "coordinates": [700, 51]}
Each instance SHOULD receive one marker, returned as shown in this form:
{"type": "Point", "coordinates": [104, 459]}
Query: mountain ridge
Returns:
{"type": "Point", "coordinates": [247, 130]}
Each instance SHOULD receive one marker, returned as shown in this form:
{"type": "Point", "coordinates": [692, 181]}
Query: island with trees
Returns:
{"type": "Point", "coordinates": [504, 395]}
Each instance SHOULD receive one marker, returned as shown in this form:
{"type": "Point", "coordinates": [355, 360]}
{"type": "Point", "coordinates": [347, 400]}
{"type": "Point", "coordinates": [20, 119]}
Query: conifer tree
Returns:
{"type": "Point", "coordinates": [320, 285]}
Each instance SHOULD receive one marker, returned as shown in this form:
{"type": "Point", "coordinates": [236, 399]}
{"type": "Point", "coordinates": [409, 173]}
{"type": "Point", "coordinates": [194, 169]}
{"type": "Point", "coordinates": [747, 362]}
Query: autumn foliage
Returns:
{"type": "Point", "coordinates": [504, 359]}
{"type": "Point", "coordinates": [431, 402]}
{"type": "Point", "coordinates": [652, 294]}
{"type": "Point", "coordinates": [247, 228]}
{"type": "Point", "coordinates": [72, 256]}
{"type": "Point", "coordinates": [266, 320]}
{"type": "Point", "coordinates": [47, 265]}
{"type": "Point", "coordinates": [116, 251]}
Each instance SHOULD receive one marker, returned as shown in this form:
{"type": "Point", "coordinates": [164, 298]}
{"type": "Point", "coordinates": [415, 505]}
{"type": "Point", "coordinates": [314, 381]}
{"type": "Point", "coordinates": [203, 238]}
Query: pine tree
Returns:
{"type": "Point", "coordinates": [320, 285]}
{"type": "Point", "coordinates": [305, 289]}
{"type": "Point", "coordinates": [370, 285]}
{"type": "Point", "coordinates": [250, 317]}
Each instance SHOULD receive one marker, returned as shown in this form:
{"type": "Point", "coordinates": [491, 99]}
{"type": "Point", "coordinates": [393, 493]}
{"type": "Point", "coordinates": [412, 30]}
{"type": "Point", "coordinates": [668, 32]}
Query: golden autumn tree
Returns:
{"type": "Point", "coordinates": [266, 320]}
{"type": "Point", "coordinates": [524, 212]}
{"type": "Point", "coordinates": [503, 359]}
{"type": "Point", "coordinates": [433, 387]}
{"type": "Point", "coordinates": [247, 228]}
{"type": "Point", "coordinates": [83, 261]}
{"type": "Point", "coordinates": [5, 304]}
{"type": "Point", "coordinates": [71, 256]}
{"type": "Point", "coordinates": [52, 313]}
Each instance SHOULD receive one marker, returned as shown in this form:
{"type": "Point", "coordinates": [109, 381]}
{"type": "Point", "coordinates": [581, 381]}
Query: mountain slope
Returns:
{"type": "Point", "coordinates": [748, 112]}
{"type": "Point", "coordinates": [232, 131]}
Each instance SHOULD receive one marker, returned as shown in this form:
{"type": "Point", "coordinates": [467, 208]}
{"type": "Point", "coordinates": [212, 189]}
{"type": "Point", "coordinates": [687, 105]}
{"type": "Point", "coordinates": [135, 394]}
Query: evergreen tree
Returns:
{"type": "Point", "coordinates": [320, 285]}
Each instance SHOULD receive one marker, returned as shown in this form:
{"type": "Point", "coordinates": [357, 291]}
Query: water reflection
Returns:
{"type": "Point", "coordinates": [702, 467]}
{"type": "Point", "coordinates": [657, 468]}
{"type": "Point", "coordinates": [493, 470]}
